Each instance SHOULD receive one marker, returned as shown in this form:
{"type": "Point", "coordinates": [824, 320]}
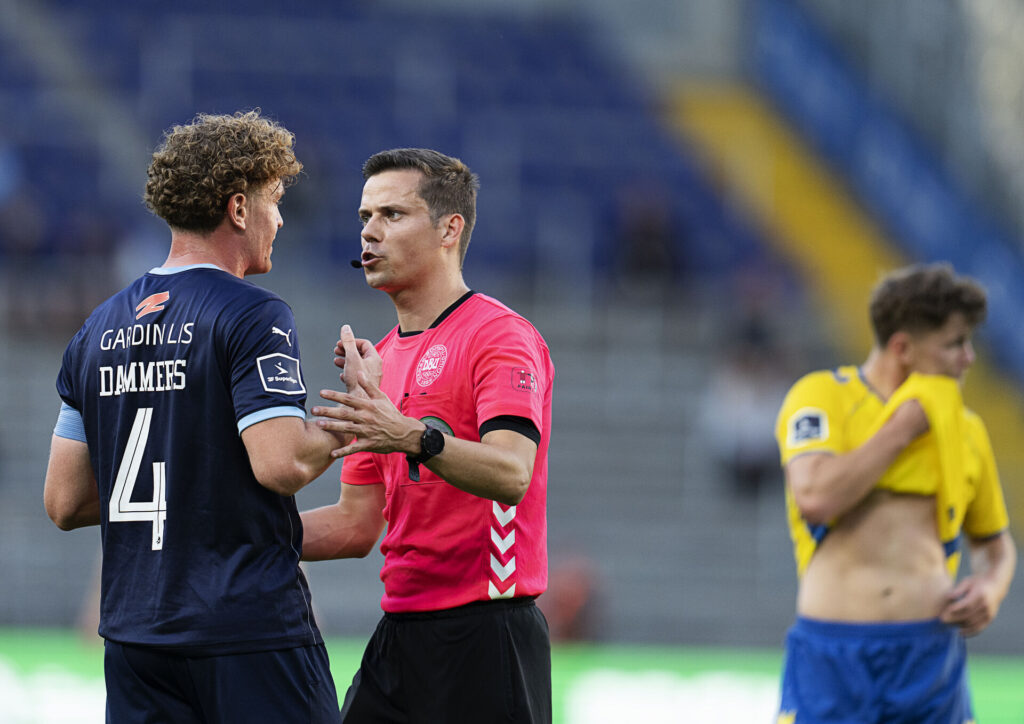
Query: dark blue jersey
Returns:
{"type": "Point", "coordinates": [165, 375]}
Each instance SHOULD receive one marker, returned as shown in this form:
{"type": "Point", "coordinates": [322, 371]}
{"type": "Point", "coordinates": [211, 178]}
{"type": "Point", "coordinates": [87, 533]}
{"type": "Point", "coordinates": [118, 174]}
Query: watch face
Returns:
{"type": "Point", "coordinates": [432, 441]}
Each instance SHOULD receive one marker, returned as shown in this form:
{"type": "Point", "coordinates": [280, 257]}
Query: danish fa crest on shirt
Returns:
{"type": "Point", "coordinates": [429, 368]}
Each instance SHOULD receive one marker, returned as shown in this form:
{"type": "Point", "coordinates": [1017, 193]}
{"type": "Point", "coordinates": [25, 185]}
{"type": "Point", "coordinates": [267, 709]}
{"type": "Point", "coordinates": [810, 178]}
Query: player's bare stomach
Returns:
{"type": "Point", "coordinates": [881, 562]}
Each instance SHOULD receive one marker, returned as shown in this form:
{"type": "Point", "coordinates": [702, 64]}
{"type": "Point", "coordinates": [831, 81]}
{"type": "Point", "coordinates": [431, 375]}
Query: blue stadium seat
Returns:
{"type": "Point", "coordinates": [337, 76]}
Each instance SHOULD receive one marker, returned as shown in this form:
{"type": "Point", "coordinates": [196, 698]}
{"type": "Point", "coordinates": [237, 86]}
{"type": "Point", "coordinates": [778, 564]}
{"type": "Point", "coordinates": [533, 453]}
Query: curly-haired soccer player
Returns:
{"type": "Point", "coordinates": [183, 435]}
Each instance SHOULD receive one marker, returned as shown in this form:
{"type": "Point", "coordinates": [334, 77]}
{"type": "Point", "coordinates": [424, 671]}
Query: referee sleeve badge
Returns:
{"type": "Point", "coordinates": [524, 379]}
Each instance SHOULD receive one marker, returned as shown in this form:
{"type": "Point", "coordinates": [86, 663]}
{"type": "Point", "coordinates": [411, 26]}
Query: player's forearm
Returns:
{"type": "Point", "coordinates": [329, 533]}
{"type": "Point", "coordinates": [828, 486]}
{"type": "Point", "coordinates": [831, 485]}
{"type": "Point", "coordinates": [312, 453]}
{"type": "Point", "coordinates": [288, 453]}
{"type": "Point", "coordinates": [994, 561]}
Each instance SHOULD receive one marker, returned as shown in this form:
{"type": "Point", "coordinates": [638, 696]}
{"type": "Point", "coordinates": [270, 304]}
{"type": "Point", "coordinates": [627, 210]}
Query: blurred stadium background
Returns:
{"type": "Point", "coordinates": [691, 200]}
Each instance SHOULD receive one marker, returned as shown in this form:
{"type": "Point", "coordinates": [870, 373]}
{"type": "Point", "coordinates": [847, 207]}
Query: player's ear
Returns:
{"type": "Point", "coordinates": [901, 345]}
{"type": "Point", "coordinates": [237, 210]}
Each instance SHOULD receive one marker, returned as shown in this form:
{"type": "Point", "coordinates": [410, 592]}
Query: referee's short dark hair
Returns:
{"type": "Point", "coordinates": [921, 298]}
{"type": "Point", "coordinates": [448, 187]}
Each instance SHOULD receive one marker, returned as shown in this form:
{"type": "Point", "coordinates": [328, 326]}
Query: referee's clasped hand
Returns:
{"type": "Point", "coordinates": [368, 414]}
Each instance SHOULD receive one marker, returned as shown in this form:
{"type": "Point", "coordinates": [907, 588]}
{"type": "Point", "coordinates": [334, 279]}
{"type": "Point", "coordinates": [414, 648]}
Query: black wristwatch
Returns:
{"type": "Point", "coordinates": [431, 444]}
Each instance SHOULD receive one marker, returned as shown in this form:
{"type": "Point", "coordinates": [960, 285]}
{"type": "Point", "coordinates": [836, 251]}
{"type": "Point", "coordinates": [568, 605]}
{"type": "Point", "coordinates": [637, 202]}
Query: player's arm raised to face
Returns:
{"type": "Point", "coordinates": [70, 495]}
{"type": "Point", "coordinates": [826, 485]}
{"type": "Point", "coordinates": [287, 453]}
{"type": "Point", "coordinates": [347, 529]}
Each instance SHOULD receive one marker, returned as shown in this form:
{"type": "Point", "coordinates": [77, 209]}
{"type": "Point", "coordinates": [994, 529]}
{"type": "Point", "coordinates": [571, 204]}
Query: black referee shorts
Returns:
{"type": "Point", "coordinates": [480, 663]}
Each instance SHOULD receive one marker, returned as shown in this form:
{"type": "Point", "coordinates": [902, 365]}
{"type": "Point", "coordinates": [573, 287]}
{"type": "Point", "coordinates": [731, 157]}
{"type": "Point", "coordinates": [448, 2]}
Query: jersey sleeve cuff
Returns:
{"type": "Point", "coordinates": [260, 415]}
{"type": "Point", "coordinates": [523, 425]}
{"type": "Point", "coordinates": [69, 423]}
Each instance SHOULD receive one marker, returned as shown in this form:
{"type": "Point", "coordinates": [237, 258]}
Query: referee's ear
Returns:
{"type": "Point", "coordinates": [451, 227]}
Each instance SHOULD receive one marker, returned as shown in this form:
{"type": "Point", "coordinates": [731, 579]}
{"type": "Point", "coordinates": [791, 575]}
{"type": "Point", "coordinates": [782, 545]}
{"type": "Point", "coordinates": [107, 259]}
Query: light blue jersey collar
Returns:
{"type": "Point", "coordinates": [166, 270]}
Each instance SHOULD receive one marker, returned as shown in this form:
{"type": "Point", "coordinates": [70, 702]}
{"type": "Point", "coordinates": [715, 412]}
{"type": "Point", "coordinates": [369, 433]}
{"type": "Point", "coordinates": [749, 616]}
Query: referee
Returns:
{"type": "Point", "coordinates": [451, 456]}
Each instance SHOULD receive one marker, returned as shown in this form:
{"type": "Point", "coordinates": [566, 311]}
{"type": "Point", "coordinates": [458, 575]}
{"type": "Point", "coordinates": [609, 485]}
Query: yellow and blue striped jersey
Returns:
{"type": "Point", "coordinates": [836, 411]}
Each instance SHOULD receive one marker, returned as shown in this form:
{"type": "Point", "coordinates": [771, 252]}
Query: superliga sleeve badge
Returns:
{"type": "Point", "coordinates": [808, 424]}
{"type": "Point", "coordinates": [280, 373]}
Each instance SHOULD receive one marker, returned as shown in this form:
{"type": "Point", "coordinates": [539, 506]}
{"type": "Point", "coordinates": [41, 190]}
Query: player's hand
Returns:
{"type": "Point", "coordinates": [354, 355]}
{"type": "Point", "coordinates": [368, 414]}
{"type": "Point", "coordinates": [971, 606]}
{"type": "Point", "coordinates": [909, 421]}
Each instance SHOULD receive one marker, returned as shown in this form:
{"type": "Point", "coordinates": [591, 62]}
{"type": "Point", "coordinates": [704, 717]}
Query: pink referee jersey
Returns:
{"type": "Point", "coordinates": [444, 547]}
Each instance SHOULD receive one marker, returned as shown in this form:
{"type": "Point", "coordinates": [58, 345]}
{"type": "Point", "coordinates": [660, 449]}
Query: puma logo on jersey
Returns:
{"type": "Point", "coordinates": [287, 335]}
{"type": "Point", "coordinates": [152, 303]}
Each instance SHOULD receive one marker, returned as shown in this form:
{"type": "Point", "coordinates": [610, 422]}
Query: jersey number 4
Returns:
{"type": "Point", "coordinates": [122, 508]}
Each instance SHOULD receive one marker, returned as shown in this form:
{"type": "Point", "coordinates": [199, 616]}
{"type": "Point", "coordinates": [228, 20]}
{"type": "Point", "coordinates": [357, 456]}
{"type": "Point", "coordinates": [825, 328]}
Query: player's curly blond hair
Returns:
{"type": "Point", "coordinates": [199, 166]}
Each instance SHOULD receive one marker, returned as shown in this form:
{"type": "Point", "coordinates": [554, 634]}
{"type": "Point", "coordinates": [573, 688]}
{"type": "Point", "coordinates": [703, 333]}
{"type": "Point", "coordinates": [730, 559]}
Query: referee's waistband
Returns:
{"type": "Point", "coordinates": [473, 607]}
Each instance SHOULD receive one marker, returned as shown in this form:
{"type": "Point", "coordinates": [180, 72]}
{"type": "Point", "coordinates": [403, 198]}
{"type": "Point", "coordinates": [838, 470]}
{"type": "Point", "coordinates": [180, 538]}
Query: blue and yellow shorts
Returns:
{"type": "Point", "coordinates": [873, 673]}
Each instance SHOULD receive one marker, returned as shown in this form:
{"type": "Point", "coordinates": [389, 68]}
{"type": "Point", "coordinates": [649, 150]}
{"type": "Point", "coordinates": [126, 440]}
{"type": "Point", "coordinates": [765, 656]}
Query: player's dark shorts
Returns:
{"type": "Point", "coordinates": [147, 685]}
{"type": "Point", "coordinates": [893, 673]}
{"type": "Point", "coordinates": [483, 663]}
